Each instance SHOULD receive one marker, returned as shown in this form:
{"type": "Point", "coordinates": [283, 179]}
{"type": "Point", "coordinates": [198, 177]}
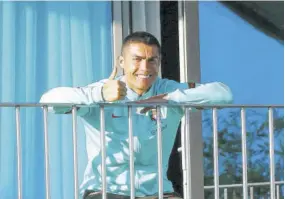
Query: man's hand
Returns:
{"type": "Point", "coordinates": [153, 99]}
{"type": "Point", "coordinates": [114, 90]}
{"type": "Point", "coordinates": [156, 99]}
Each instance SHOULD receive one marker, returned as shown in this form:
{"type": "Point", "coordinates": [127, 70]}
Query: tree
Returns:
{"type": "Point", "coordinates": [230, 149]}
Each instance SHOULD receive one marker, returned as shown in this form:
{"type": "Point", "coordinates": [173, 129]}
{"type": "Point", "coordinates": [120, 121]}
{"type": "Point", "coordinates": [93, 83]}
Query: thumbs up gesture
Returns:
{"type": "Point", "coordinates": [114, 90]}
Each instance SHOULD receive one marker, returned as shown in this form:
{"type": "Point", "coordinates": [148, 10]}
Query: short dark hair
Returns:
{"type": "Point", "coordinates": [140, 37]}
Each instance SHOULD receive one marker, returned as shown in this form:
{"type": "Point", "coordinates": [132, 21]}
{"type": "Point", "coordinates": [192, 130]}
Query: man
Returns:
{"type": "Point", "coordinates": [140, 60]}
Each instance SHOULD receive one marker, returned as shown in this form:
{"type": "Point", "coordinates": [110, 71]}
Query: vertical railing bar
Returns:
{"type": "Point", "coordinates": [216, 153]}
{"type": "Point", "coordinates": [159, 151]}
{"type": "Point", "coordinates": [19, 152]}
{"type": "Point", "coordinates": [183, 154]}
{"type": "Point", "coordinates": [131, 149]}
{"type": "Point", "coordinates": [244, 154]}
{"type": "Point", "coordinates": [277, 192]}
{"type": "Point", "coordinates": [225, 193]}
{"type": "Point", "coordinates": [103, 152]}
{"type": "Point", "coordinates": [251, 193]}
{"type": "Point", "coordinates": [234, 194]}
{"type": "Point", "coordinates": [271, 153]}
{"type": "Point", "coordinates": [75, 157]}
{"type": "Point", "coordinates": [187, 154]}
{"type": "Point", "coordinates": [46, 148]}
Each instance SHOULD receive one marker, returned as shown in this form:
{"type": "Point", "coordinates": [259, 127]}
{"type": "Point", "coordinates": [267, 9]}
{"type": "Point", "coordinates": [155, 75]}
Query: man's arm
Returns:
{"type": "Point", "coordinates": [80, 95]}
{"type": "Point", "coordinates": [210, 93]}
{"type": "Point", "coordinates": [109, 90]}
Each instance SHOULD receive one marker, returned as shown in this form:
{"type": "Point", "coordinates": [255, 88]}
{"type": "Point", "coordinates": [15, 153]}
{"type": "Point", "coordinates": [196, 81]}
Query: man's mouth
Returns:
{"type": "Point", "coordinates": [143, 76]}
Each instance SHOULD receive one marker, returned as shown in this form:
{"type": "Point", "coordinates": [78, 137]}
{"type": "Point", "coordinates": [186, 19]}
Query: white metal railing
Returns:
{"type": "Point", "coordinates": [185, 143]}
{"type": "Point", "coordinates": [251, 186]}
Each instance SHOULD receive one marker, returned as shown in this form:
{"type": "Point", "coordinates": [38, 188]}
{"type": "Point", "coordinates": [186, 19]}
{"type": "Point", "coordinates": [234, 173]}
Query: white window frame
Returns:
{"type": "Point", "coordinates": [189, 56]}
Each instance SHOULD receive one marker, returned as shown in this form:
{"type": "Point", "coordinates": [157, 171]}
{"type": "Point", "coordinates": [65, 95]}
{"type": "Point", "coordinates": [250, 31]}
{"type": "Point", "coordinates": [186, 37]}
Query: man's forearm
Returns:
{"type": "Point", "coordinates": [81, 95]}
{"type": "Point", "coordinates": [211, 93]}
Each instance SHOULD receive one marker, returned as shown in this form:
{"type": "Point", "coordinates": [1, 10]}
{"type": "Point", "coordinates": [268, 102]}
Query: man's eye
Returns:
{"type": "Point", "coordinates": [152, 60]}
{"type": "Point", "coordinates": [137, 59]}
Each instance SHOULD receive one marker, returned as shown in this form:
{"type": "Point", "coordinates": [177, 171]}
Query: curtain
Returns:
{"type": "Point", "coordinates": [45, 45]}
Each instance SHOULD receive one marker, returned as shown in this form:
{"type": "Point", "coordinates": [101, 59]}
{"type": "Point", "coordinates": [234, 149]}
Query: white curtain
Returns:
{"type": "Point", "coordinates": [45, 45]}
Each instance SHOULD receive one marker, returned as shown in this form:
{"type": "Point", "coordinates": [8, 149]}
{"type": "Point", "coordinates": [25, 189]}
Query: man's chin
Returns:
{"type": "Point", "coordinates": [144, 88]}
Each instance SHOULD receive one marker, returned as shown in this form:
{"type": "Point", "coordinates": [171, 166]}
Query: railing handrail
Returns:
{"type": "Point", "coordinates": [136, 104]}
{"type": "Point", "coordinates": [253, 184]}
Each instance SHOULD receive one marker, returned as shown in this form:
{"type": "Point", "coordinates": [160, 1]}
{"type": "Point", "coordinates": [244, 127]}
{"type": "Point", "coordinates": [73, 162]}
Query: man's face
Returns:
{"type": "Point", "coordinates": [140, 63]}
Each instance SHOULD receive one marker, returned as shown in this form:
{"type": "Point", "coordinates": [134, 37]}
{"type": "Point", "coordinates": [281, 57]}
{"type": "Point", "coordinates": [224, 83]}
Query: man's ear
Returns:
{"type": "Point", "coordinates": [121, 61]}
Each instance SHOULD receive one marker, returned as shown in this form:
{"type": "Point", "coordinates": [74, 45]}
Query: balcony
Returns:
{"type": "Point", "coordinates": [247, 189]}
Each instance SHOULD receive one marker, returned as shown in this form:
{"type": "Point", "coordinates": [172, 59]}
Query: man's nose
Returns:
{"type": "Point", "coordinates": [144, 64]}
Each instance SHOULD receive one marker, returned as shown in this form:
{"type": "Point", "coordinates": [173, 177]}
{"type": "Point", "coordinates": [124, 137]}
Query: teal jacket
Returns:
{"type": "Point", "coordinates": [144, 131]}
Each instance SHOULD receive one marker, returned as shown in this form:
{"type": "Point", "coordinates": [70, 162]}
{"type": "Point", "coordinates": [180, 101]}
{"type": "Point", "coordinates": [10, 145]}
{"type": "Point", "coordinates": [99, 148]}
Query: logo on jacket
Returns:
{"type": "Point", "coordinates": [116, 116]}
{"type": "Point", "coordinates": [154, 127]}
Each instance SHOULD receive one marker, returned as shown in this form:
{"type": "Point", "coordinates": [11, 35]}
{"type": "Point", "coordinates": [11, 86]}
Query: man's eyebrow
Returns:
{"type": "Point", "coordinates": [154, 57]}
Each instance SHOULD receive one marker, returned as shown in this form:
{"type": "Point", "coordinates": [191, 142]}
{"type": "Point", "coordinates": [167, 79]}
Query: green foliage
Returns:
{"type": "Point", "coordinates": [230, 150]}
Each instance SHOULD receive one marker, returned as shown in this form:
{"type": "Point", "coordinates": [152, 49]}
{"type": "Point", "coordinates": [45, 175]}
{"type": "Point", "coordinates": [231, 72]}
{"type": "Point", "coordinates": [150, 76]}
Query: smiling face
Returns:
{"type": "Point", "coordinates": [140, 63]}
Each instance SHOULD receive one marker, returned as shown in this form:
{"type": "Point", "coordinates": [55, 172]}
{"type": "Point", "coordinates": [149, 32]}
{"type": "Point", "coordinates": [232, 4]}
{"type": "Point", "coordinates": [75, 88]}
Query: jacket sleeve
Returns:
{"type": "Point", "coordinates": [209, 93]}
{"type": "Point", "coordinates": [79, 95]}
